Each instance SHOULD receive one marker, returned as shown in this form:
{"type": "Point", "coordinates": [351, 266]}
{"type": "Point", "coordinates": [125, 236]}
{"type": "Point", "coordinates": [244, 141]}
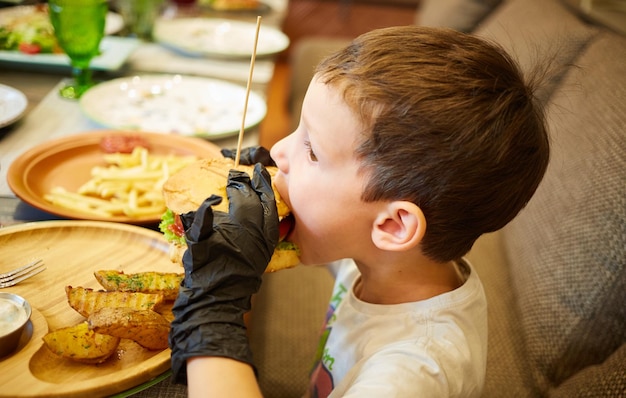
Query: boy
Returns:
{"type": "Point", "coordinates": [412, 143]}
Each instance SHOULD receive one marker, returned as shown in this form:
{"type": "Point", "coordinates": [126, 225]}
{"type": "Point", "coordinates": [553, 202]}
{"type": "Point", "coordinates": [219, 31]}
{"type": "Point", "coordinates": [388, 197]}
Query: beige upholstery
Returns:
{"type": "Point", "coordinates": [506, 359]}
{"type": "Point", "coordinates": [462, 15]}
{"type": "Point", "coordinates": [304, 57]}
{"type": "Point", "coordinates": [286, 323]}
{"type": "Point", "coordinates": [536, 30]}
{"type": "Point", "coordinates": [571, 287]}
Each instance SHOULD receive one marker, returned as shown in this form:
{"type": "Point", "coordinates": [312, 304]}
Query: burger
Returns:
{"type": "Point", "coordinates": [186, 190]}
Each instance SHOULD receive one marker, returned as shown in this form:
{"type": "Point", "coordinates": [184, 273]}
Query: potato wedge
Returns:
{"type": "Point", "coordinates": [146, 327]}
{"type": "Point", "coordinates": [143, 282]}
{"type": "Point", "coordinates": [166, 310]}
{"type": "Point", "coordinates": [81, 344]}
{"type": "Point", "coordinates": [86, 301]}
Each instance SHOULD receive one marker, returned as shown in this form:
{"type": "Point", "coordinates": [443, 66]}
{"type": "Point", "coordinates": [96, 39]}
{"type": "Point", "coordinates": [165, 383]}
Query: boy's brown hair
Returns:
{"type": "Point", "coordinates": [450, 125]}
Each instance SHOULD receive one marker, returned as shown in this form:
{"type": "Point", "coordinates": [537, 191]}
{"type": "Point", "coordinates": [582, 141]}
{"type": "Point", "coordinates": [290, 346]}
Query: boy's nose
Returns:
{"type": "Point", "coordinates": [278, 153]}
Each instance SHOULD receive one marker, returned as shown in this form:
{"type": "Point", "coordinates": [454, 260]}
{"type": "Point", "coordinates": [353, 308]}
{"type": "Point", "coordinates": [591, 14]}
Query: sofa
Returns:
{"type": "Point", "coordinates": [555, 277]}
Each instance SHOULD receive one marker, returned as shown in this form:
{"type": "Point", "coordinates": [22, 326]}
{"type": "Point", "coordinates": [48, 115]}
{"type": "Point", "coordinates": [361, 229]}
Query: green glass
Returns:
{"type": "Point", "coordinates": [79, 28]}
{"type": "Point", "coordinates": [139, 16]}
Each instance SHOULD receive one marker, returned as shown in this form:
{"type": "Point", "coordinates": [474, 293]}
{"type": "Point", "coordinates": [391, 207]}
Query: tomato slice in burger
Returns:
{"type": "Point", "coordinates": [177, 227]}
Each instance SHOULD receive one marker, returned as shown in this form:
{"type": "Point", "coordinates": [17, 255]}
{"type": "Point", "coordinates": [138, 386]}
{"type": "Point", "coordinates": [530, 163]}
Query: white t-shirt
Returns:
{"type": "Point", "coordinates": [430, 348]}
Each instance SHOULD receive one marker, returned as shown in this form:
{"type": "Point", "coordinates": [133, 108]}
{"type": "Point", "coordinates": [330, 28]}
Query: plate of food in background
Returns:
{"type": "Point", "coordinates": [104, 175]}
{"type": "Point", "coordinates": [27, 37]}
{"type": "Point", "coordinates": [216, 37]}
{"type": "Point", "coordinates": [173, 104]}
{"type": "Point", "coordinates": [235, 6]}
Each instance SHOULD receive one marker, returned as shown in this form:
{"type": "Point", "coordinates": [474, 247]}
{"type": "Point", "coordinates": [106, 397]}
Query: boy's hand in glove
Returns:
{"type": "Point", "coordinates": [251, 155]}
{"type": "Point", "coordinates": [226, 257]}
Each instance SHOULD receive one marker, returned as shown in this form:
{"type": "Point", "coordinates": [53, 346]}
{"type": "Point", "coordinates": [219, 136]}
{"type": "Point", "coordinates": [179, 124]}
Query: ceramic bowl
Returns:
{"type": "Point", "coordinates": [14, 316]}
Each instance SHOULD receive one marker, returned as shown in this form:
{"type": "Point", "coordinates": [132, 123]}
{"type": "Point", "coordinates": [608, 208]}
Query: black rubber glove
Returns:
{"type": "Point", "coordinates": [226, 257]}
{"type": "Point", "coordinates": [251, 155]}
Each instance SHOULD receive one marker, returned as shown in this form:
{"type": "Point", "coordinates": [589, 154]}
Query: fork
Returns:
{"type": "Point", "coordinates": [19, 274]}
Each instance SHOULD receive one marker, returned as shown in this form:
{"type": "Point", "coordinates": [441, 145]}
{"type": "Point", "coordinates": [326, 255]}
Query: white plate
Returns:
{"type": "Point", "coordinates": [191, 106]}
{"type": "Point", "coordinates": [218, 37]}
{"type": "Point", "coordinates": [12, 105]}
{"type": "Point", "coordinates": [114, 52]}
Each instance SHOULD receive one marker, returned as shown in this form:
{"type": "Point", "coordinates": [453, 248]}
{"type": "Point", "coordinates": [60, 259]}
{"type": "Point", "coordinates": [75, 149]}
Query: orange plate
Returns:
{"type": "Point", "coordinates": [72, 251]}
{"type": "Point", "coordinates": [67, 162]}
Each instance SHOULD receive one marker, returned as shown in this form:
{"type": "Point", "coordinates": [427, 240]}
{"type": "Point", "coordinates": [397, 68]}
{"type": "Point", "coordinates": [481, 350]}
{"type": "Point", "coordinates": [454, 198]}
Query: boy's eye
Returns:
{"type": "Point", "coordinates": [310, 152]}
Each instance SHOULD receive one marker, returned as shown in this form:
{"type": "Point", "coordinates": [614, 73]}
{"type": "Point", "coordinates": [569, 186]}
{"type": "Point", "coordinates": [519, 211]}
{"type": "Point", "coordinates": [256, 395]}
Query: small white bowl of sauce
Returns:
{"type": "Point", "coordinates": [14, 315]}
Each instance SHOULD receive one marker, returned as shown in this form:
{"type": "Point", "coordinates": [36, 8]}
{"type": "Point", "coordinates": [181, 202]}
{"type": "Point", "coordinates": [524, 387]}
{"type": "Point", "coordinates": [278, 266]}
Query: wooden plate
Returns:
{"type": "Point", "coordinates": [67, 162]}
{"type": "Point", "coordinates": [72, 252]}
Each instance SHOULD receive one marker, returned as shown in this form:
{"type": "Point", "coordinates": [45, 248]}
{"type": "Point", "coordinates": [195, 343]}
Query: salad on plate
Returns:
{"type": "Point", "coordinates": [28, 31]}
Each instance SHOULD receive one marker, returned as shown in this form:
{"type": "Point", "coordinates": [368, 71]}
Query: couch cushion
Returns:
{"type": "Point", "coordinates": [287, 318]}
{"type": "Point", "coordinates": [305, 56]}
{"type": "Point", "coordinates": [535, 30]}
{"type": "Point", "coordinates": [605, 380]}
{"type": "Point", "coordinates": [567, 249]}
{"type": "Point", "coordinates": [462, 15]}
{"type": "Point", "coordinates": [506, 357]}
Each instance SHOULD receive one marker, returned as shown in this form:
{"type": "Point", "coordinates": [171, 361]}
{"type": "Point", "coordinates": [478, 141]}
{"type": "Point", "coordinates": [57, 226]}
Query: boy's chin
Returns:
{"type": "Point", "coordinates": [304, 258]}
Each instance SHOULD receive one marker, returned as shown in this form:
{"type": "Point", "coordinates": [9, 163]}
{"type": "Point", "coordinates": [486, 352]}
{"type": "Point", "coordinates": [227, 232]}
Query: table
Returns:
{"type": "Point", "coordinates": [48, 116]}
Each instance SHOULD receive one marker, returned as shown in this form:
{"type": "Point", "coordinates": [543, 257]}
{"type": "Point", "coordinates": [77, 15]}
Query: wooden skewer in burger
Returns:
{"type": "Point", "coordinates": [186, 190]}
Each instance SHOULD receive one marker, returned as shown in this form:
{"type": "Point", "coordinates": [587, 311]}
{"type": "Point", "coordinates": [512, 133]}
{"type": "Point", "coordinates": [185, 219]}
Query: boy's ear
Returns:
{"type": "Point", "coordinates": [399, 226]}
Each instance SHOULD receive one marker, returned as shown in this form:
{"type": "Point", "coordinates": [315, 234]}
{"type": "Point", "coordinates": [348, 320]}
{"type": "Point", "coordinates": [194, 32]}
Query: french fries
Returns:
{"type": "Point", "coordinates": [129, 185]}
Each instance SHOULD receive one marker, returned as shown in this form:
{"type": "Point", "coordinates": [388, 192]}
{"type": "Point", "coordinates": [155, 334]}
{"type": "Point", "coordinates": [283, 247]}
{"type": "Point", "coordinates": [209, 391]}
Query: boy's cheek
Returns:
{"type": "Point", "coordinates": [279, 183]}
